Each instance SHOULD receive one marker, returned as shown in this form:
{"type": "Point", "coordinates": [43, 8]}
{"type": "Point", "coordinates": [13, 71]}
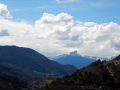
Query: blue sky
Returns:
{"type": "Point", "coordinates": [54, 27]}
{"type": "Point", "coordinates": [100, 11]}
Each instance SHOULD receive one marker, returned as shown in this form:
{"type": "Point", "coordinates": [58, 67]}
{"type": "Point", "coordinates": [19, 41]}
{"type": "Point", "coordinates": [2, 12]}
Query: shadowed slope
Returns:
{"type": "Point", "coordinates": [98, 75]}
{"type": "Point", "coordinates": [31, 61]}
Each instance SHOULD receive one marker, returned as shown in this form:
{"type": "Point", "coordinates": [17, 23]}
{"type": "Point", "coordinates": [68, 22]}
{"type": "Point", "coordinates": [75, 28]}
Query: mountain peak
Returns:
{"type": "Point", "coordinates": [117, 58]}
{"type": "Point", "coordinates": [74, 53]}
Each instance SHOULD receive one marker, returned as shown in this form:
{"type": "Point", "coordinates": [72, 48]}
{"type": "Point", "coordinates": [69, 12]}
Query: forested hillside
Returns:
{"type": "Point", "coordinates": [98, 75]}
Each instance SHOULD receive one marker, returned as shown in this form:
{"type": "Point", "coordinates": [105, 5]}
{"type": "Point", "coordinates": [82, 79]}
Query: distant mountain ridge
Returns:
{"type": "Point", "coordinates": [101, 58]}
{"type": "Point", "coordinates": [29, 61]}
{"type": "Point", "coordinates": [99, 75]}
{"type": "Point", "coordinates": [74, 59]}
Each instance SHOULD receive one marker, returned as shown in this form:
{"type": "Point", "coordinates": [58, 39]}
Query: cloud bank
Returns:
{"type": "Point", "coordinates": [57, 34]}
{"type": "Point", "coordinates": [4, 13]}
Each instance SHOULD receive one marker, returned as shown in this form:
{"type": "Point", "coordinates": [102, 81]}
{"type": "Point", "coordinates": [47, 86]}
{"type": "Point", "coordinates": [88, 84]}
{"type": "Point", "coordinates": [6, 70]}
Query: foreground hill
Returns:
{"type": "Point", "coordinates": [74, 59]}
{"type": "Point", "coordinates": [17, 60]}
{"type": "Point", "coordinates": [12, 70]}
{"type": "Point", "coordinates": [8, 82]}
{"type": "Point", "coordinates": [99, 75]}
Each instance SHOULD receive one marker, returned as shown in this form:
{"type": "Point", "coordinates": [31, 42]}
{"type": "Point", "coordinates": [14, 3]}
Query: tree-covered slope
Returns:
{"type": "Point", "coordinates": [99, 75]}
{"type": "Point", "coordinates": [8, 82]}
{"type": "Point", "coordinates": [31, 61]}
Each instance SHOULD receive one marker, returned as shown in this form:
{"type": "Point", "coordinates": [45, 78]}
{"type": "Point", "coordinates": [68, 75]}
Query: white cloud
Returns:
{"type": "Point", "coordinates": [4, 13]}
{"type": "Point", "coordinates": [50, 24]}
{"type": "Point", "coordinates": [57, 34]}
{"type": "Point", "coordinates": [89, 24]}
{"type": "Point", "coordinates": [16, 29]}
{"type": "Point", "coordinates": [63, 34]}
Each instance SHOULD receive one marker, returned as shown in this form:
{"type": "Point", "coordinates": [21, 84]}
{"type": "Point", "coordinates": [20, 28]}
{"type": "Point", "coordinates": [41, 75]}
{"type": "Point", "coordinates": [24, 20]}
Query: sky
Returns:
{"type": "Point", "coordinates": [54, 27]}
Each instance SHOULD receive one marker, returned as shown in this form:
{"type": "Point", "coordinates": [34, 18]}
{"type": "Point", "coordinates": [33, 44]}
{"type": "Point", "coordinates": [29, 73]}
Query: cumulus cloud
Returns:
{"type": "Point", "coordinates": [67, 34]}
{"type": "Point", "coordinates": [57, 34]}
{"type": "Point", "coordinates": [54, 25]}
{"type": "Point", "coordinates": [16, 29]}
{"type": "Point", "coordinates": [4, 13]}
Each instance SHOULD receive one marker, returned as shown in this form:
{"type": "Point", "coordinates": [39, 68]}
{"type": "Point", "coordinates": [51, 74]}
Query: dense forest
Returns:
{"type": "Point", "coordinates": [27, 64]}
{"type": "Point", "coordinates": [8, 82]}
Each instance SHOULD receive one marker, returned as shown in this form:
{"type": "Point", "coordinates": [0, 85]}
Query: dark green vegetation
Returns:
{"type": "Point", "coordinates": [100, 75]}
{"type": "Point", "coordinates": [28, 64]}
{"type": "Point", "coordinates": [8, 82]}
{"type": "Point", "coordinates": [18, 63]}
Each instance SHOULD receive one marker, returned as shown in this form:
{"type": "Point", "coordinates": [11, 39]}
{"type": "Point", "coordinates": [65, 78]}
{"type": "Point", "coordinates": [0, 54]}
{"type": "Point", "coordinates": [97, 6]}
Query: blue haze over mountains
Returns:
{"type": "Point", "coordinates": [77, 60]}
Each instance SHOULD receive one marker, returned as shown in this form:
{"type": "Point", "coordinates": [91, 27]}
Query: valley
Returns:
{"type": "Point", "coordinates": [25, 69]}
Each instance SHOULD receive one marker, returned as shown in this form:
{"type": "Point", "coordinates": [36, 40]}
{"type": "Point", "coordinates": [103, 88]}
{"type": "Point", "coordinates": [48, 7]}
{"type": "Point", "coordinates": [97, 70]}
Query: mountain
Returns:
{"type": "Point", "coordinates": [26, 62]}
{"type": "Point", "coordinates": [99, 75]}
{"type": "Point", "coordinates": [74, 53]}
{"type": "Point", "coordinates": [101, 58]}
{"type": "Point", "coordinates": [91, 57]}
{"type": "Point", "coordinates": [74, 59]}
{"type": "Point", "coordinates": [59, 56]}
